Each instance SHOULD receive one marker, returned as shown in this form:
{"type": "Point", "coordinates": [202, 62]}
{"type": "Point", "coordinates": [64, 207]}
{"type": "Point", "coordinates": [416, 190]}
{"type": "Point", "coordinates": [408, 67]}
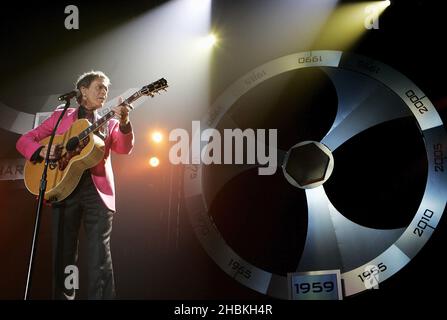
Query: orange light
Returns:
{"type": "Point", "coordinates": [157, 136]}
{"type": "Point", "coordinates": [154, 162]}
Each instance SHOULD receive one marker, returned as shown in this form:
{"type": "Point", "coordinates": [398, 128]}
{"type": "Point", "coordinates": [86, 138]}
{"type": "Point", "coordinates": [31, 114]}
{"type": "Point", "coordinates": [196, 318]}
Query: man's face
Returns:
{"type": "Point", "coordinates": [95, 95]}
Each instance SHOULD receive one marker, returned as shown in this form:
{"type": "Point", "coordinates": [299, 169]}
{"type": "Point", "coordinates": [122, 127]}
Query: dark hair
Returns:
{"type": "Point", "coordinates": [87, 78]}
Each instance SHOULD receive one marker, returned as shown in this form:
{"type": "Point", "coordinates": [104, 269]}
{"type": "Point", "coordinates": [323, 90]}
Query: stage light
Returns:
{"type": "Point", "coordinates": [209, 41]}
{"type": "Point", "coordinates": [386, 3]}
{"type": "Point", "coordinates": [380, 5]}
{"type": "Point", "coordinates": [348, 22]}
{"type": "Point", "coordinates": [154, 162]}
{"type": "Point", "coordinates": [157, 136]}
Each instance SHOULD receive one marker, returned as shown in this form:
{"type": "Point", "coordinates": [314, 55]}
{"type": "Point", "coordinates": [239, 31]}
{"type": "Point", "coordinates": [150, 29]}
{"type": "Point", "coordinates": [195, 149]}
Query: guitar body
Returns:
{"type": "Point", "coordinates": [62, 179]}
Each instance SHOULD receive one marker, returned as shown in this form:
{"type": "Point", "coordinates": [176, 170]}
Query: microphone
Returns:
{"type": "Point", "coordinates": [68, 95]}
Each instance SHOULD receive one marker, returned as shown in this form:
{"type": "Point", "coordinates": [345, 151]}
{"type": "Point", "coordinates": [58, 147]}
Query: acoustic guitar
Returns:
{"type": "Point", "coordinates": [80, 149]}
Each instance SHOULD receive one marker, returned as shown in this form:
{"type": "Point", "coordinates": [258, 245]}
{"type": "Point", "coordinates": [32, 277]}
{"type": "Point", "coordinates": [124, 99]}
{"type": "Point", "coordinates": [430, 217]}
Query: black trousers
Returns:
{"type": "Point", "coordinates": [86, 206]}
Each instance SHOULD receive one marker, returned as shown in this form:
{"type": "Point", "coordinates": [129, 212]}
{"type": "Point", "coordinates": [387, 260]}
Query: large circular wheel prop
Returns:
{"type": "Point", "coordinates": [333, 242]}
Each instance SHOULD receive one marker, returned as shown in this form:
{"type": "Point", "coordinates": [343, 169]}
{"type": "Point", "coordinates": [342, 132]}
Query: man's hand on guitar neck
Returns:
{"type": "Point", "coordinates": [122, 112]}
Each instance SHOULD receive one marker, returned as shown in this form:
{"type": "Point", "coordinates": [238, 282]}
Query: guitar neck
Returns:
{"type": "Point", "coordinates": [150, 89]}
{"type": "Point", "coordinates": [109, 115]}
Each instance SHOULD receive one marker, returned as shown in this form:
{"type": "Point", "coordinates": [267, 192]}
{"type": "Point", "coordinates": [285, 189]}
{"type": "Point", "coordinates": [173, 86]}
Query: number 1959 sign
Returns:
{"type": "Point", "coordinates": [315, 285]}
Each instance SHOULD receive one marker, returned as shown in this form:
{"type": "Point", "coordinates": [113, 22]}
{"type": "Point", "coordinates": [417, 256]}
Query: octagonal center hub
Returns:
{"type": "Point", "coordinates": [308, 164]}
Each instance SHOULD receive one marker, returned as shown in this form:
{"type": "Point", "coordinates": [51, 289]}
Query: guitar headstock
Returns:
{"type": "Point", "coordinates": [154, 87]}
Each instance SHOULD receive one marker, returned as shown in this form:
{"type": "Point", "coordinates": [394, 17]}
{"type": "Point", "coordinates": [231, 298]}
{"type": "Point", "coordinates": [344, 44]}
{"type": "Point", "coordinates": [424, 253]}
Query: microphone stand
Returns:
{"type": "Point", "coordinates": [43, 187]}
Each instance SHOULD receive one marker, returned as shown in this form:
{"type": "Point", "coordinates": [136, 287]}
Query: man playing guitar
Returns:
{"type": "Point", "coordinates": [93, 200]}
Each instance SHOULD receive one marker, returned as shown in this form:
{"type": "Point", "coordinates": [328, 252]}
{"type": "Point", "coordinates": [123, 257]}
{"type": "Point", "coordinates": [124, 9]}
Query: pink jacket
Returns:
{"type": "Point", "coordinates": [102, 173]}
